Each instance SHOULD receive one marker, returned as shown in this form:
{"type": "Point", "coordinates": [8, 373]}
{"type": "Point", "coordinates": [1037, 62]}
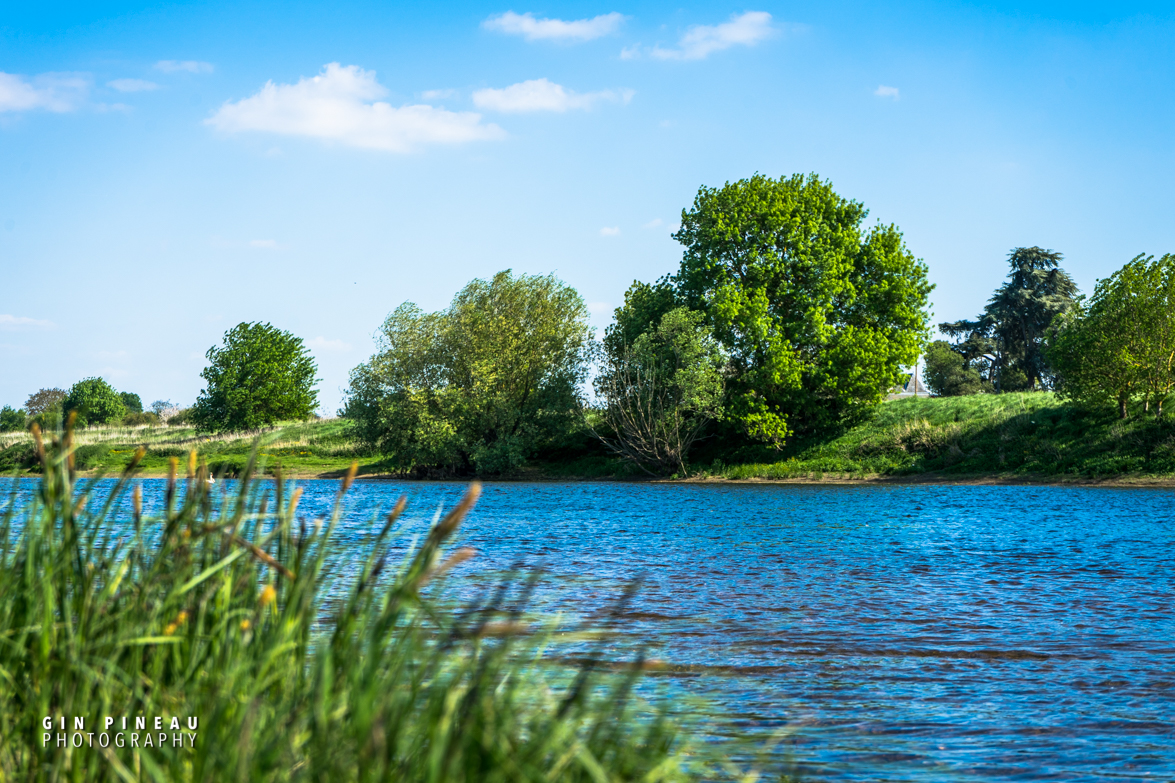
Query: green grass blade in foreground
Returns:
{"type": "Point", "coordinates": [217, 611]}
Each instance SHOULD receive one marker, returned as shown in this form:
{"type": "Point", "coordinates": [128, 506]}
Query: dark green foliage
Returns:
{"type": "Point", "coordinates": [260, 376]}
{"type": "Point", "coordinates": [226, 608]}
{"type": "Point", "coordinates": [817, 314]}
{"type": "Point", "coordinates": [94, 401]}
{"type": "Point", "coordinates": [947, 373]}
{"type": "Point", "coordinates": [644, 307]}
{"type": "Point", "coordinates": [44, 400]}
{"type": "Point", "coordinates": [1006, 342]}
{"type": "Point", "coordinates": [480, 386]}
{"type": "Point", "coordinates": [11, 419]}
{"type": "Point", "coordinates": [132, 402]}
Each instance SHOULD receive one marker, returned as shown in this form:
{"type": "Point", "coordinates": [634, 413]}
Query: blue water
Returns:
{"type": "Point", "coordinates": [892, 632]}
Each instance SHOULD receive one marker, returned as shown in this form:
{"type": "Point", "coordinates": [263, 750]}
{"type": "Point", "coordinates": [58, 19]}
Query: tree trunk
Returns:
{"type": "Point", "coordinates": [1121, 406]}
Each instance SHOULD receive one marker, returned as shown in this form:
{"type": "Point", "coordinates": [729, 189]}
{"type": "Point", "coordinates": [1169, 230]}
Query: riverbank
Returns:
{"type": "Point", "coordinates": [1028, 438]}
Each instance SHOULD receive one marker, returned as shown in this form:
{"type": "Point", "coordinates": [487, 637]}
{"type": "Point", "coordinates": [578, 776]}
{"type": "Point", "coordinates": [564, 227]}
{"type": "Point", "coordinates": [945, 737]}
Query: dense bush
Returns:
{"type": "Point", "coordinates": [44, 400]}
{"type": "Point", "coordinates": [94, 401]}
{"type": "Point", "coordinates": [261, 375]}
{"type": "Point", "coordinates": [140, 418]}
{"type": "Point", "coordinates": [480, 386]}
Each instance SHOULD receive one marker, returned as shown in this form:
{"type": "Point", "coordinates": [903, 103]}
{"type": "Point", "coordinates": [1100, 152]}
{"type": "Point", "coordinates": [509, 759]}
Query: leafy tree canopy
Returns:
{"type": "Point", "coordinates": [1006, 341]}
{"type": "Point", "coordinates": [11, 419]}
{"type": "Point", "coordinates": [817, 314]}
{"type": "Point", "coordinates": [132, 402]}
{"type": "Point", "coordinates": [480, 385]}
{"type": "Point", "coordinates": [259, 376]}
{"type": "Point", "coordinates": [660, 391]}
{"type": "Point", "coordinates": [1121, 344]}
{"type": "Point", "coordinates": [947, 373]}
{"type": "Point", "coordinates": [95, 401]}
{"type": "Point", "coordinates": [44, 400]}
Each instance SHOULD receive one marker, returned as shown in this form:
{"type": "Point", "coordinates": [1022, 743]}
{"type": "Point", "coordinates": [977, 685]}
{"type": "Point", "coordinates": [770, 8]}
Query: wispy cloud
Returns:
{"type": "Point", "coordinates": [544, 95]}
{"type": "Point", "coordinates": [340, 105]}
{"type": "Point", "coordinates": [132, 85]}
{"type": "Point", "coordinates": [330, 346]}
{"type": "Point", "coordinates": [654, 223]}
{"type": "Point", "coordinates": [264, 244]}
{"type": "Point", "coordinates": [438, 95]}
{"type": "Point", "coordinates": [190, 66]}
{"type": "Point", "coordinates": [57, 92]}
{"type": "Point", "coordinates": [699, 41]}
{"type": "Point", "coordinates": [610, 231]}
{"type": "Point", "coordinates": [887, 92]}
{"type": "Point", "coordinates": [21, 322]}
{"type": "Point", "coordinates": [533, 29]}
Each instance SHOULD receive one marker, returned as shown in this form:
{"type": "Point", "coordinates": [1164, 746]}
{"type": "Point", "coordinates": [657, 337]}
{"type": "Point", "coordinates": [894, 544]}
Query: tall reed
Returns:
{"type": "Point", "coordinates": [216, 610]}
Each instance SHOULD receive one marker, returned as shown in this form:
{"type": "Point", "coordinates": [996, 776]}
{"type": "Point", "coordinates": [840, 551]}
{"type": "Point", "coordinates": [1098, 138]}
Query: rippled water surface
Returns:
{"type": "Point", "coordinates": [897, 632]}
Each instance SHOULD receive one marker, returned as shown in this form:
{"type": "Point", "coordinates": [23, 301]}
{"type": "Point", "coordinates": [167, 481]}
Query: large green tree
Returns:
{"type": "Point", "coordinates": [43, 401]}
{"type": "Point", "coordinates": [259, 376]}
{"type": "Point", "coordinates": [478, 386]}
{"type": "Point", "coordinates": [11, 419]}
{"type": "Point", "coordinates": [1121, 344]}
{"type": "Point", "coordinates": [1007, 339]}
{"type": "Point", "coordinates": [818, 313]}
{"type": "Point", "coordinates": [95, 401]}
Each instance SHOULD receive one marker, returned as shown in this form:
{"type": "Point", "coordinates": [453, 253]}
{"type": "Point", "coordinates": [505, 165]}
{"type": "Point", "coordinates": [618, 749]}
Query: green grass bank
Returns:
{"type": "Point", "coordinates": [1016, 437]}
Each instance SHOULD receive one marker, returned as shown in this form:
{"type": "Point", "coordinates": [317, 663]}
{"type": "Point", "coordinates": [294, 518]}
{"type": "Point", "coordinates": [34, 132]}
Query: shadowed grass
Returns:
{"type": "Point", "coordinates": [217, 610]}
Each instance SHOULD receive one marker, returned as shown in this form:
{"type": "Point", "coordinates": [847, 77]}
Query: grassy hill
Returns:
{"type": "Point", "coordinates": [1029, 435]}
{"type": "Point", "coordinates": [989, 435]}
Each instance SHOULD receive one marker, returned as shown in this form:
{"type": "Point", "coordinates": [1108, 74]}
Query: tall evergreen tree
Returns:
{"type": "Point", "coordinates": [1007, 339]}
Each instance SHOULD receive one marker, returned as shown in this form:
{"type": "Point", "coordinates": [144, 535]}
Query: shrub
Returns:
{"type": "Point", "coordinates": [140, 418]}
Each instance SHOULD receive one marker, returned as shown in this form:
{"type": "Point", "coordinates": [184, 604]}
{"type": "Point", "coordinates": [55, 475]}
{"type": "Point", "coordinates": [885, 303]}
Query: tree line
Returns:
{"type": "Point", "coordinates": [1038, 332]}
{"type": "Point", "coordinates": [787, 316]}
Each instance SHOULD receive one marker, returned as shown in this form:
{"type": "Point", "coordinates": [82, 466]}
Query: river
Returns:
{"type": "Point", "coordinates": [904, 633]}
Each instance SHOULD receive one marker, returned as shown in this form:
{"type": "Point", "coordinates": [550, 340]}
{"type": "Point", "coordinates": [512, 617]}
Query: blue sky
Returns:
{"type": "Point", "coordinates": [169, 170]}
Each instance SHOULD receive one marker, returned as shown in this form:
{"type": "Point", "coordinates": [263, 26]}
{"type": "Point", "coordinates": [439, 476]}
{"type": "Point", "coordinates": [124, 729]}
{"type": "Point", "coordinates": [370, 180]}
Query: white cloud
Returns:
{"type": "Point", "coordinates": [340, 105]}
{"type": "Point", "coordinates": [887, 92]}
{"type": "Point", "coordinates": [654, 223]}
{"type": "Point", "coordinates": [610, 231]}
{"type": "Point", "coordinates": [132, 85]}
{"type": "Point", "coordinates": [330, 346]}
{"type": "Point", "coordinates": [437, 95]}
{"type": "Point", "coordinates": [700, 40]}
{"type": "Point", "coordinates": [21, 322]}
{"type": "Point", "coordinates": [599, 308]}
{"type": "Point", "coordinates": [553, 29]}
{"type": "Point", "coordinates": [58, 92]}
{"type": "Point", "coordinates": [630, 52]}
{"type": "Point", "coordinates": [543, 95]}
{"type": "Point", "coordinates": [267, 244]}
{"type": "Point", "coordinates": [190, 66]}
